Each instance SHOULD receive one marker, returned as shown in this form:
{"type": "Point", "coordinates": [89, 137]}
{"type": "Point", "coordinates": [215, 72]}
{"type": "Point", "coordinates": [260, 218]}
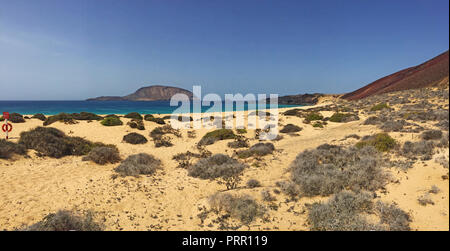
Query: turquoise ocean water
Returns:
{"type": "Point", "coordinates": [99, 107]}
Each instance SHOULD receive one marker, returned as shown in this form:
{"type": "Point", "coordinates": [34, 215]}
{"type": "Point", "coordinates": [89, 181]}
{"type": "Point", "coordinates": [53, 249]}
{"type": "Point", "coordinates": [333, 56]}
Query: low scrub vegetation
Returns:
{"type": "Point", "coordinates": [133, 115]}
{"type": "Point", "coordinates": [64, 220]}
{"type": "Point", "coordinates": [103, 155]}
{"type": "Point", "coordinates": [432, 135]}
{"type": "Point", "coordinates": [379, 107]}
{"type": "Point", "coordinates": [138, 164]}
{"type": "Point", "coordinates": [343, 117]}
{"type": "Point", "coordinates": [348, 211]}
{"type": "Point", "coordinates": [135, 138]}
{"type": "Point", "coordinates": [136, 124]}
{"type": "Point", "coordinates": [227, 170]}
{"type": "Point", "coordinates": [111, 121]}
{"type": "Point", "coordinates": [216, 135]}
{"type": "Point", "coordinates": [312, 116]}
{"type": "Point", "coordinates": [381, 141]}
{"type": "Point", "coordinates": [252, 183]}
{"type": "Point", "coordinates": [241, 207]}
{"type": "Point", "coordinates": [86, 116]}
{"type": "Point", "coordinates": [259, 149]}
{"type": "Point", "coordinates": [290, 128]}
{"type": "Point", "coordinates": [151, 118]}
{"type": "Point", "coordinates": [51, 142]}
{"type": "Point", "coordinates": [239, 142]}
{"type": "Point", "coordinates": [423, 149]}
{"type": "Point", "coordinates": [39, 116]}
{"type": "Point", "coordinates": [329, 169]}
{"type": "Point", "coordinates": [62, 117]}
{"type": "Point", "coordinates": [8, 149]}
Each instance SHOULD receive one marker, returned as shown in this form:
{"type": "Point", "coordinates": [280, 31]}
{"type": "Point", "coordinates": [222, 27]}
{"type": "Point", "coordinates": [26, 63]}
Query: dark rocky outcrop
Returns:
{"type": "Point", "coordinates": [149, 93]}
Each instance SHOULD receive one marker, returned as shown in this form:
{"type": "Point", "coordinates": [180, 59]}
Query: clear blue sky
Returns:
{"type": "Point", "coordinates": [75, 49]}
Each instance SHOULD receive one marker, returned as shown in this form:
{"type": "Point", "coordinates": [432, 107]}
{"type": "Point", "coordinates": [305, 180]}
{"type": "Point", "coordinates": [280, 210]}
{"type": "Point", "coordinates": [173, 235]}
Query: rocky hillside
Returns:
{"type": "Point", "coordinates": [434, 72]}
{"type": "Point", "coordinates": [149, 93]}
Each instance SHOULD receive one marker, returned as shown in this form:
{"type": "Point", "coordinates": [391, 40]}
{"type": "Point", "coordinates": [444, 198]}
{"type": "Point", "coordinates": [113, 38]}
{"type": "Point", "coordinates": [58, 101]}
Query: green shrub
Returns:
{"type": "Point", "coordinates": [133, 115]}
{"type": "Point", "coordinates": [313, 116]}
{"type": "Point", "coordinates": [8, 148]}
{"type": "Point", "coordinates": [318, 125]}
{"type": "Point", "coordinates": [64, 220]}
{"type": "Point", "coordinates": [103, 155]}
{"type": "Point", "coordinates": [111, 121]}
{"type": "Point", "coordinates": [241, 131]}
{"type": "Point", "coordinates": [343, 117]}
{"type": "Point", "coordinates": [379, 107]}
{"type": "Point", "coordinates": [381, 141]}
{"type": "Point", "coordinates": [134, 138]}
{"type": "Point", "coordinates": [219, 166]}
{"type": "Point", "coordinates": [138, 164]}
{"type": "Point", "coordinates": [290, 128]}
{"type": "Point", "coordinates": [241, 207]}
{"type": "Point", "coordinates": [219, 134]}
{"type": "Point", "coordinates": [39, 116]}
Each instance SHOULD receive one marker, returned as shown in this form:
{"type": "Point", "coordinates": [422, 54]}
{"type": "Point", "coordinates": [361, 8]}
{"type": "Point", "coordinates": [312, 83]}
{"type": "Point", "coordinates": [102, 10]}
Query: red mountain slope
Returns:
{"type": "Point", "coordinates": [430, 73]}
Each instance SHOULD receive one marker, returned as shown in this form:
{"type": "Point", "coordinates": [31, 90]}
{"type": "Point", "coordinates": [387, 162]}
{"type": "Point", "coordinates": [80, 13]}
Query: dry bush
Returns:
{"type": "Point", "coordinates": [86, 116]}
{"type": "Point", "coordinates": [46, 141]}
{"type": "Point", "coordinates": [134, 138]}
{"type": "Point", "coordinates": [347, 211]}
{"type": "Point", "coordinates": [241, 207]}
{"type": "Point", "coordinates": [290, 128]}
{"type": "Point", "coordinates": [16, 118]}
{"type": "Point", "coordinates": [63, 117]}
{"type": "Point", "coordinates": [8, 149]}
{"type": "Point", "coordinates": [423, 149]}
{"type": "Point", "coordinates": [64, 220]}
{"type": "Point", "coordinates": [239, 142]}
{"type": "Point", "coordinates": [39, 116]}
{"type": "Point", "coordinates": [259, 149]}
{"type": "Point", "coordinates": [425, 200]}
{"type": "Point", "coordinates": [252, 183]}
{"type": "Point", "coordinates": [431, 135]}
{"type": "Point", "coordinates": [133, 115]}
{"type": "Point", "coordinates": [267, 196]}
{"type": "Point", "coordinates": [219, 166]}
{"type": "Point", "coordinates": [330, 169]}
{"type": "Point", "coordinates": [136, 124]}
{"type": "Point", "coordinates": [103, 155]}
{"type": "Point", "coordinates": [138, 164]}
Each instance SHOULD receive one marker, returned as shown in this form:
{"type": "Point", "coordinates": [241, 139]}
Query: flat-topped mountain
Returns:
{"type": "Point", "coordinates": [149, 93]}
{"type": "Point", "coordinates": [431, 73]}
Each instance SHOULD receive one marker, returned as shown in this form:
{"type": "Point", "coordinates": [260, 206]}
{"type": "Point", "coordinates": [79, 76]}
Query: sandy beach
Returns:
{"type": "Point", "coordinates": [33, 186]}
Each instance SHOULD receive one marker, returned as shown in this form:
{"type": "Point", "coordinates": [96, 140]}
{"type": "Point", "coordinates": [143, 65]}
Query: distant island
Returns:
{"type": "Point", "coordinates": [149, 93]}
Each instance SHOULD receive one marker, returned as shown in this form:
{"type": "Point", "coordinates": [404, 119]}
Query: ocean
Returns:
{"type": "Point", "coordinates": [98, 107]}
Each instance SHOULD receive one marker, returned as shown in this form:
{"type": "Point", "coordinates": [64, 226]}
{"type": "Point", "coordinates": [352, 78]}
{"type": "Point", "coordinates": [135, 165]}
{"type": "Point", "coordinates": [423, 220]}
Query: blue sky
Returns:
{"type": "Point", "coordinates": [61, 49]}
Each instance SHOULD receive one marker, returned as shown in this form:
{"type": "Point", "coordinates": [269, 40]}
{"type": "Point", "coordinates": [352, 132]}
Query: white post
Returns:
{"type": "Point", "coordinates": [6, 123]}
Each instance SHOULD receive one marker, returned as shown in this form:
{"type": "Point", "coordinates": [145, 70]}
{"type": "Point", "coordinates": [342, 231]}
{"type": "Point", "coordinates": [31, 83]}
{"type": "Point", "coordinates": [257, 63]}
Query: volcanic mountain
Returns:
{"type": "Point", "coordinates": [149, 93]}
{"type": "Point", "coordinates": [434, 72]}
